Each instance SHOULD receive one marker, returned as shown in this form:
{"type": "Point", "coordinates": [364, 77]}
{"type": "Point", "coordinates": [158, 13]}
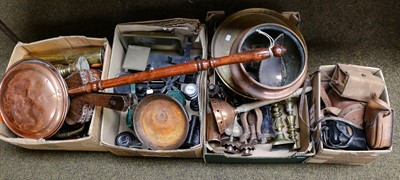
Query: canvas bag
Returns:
{"type": "Point", "coordinates": [355, 83]}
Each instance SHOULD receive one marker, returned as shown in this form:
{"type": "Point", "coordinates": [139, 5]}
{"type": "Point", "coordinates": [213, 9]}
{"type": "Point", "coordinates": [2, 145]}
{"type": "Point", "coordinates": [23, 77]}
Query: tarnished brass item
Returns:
{"type": "Point", "coordinates": [160, 122]}
{"type": "Point", "coordinates": [230, 145]}
{"type": "Point", "coordinates": [34, 100]}
{"type": "Point", "coordinates": [280, 138]}
{"type": "Point", "coordinates": [291, 120]}
{"type": "Point", "coordinates": [251, 122]}
{"type": "Point", "coordinates": [80, 64]}
{"type": "Point", "coordinates": [94, 55]}
{"type": "Point", "coordinates": [246, 148]}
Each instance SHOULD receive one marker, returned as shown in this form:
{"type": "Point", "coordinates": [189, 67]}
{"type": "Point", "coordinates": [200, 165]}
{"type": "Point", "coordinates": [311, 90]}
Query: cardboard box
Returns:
{"type": "Point", "coordinates": [114, 121]}
{"type": "Point", "coordinates": [262, 153]}
{"type": "Point", "coordinates": [92, 141]}
{"type": "Point", "coordinates": [325, 155]}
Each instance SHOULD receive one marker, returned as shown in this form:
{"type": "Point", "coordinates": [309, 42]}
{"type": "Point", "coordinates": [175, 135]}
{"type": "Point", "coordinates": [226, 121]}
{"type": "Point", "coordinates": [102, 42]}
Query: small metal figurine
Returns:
{"type": "Point", "coordinates": [280, 138]}
{"type": "Point", "coordinates": [291, 120]}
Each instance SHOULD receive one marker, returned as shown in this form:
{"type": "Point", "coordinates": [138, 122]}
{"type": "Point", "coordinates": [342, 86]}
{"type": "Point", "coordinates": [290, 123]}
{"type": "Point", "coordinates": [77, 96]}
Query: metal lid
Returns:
{"type": "Point", "coordinates": [160, 122]}
{"type": "Point", "coordinates": [34, 99]}
{"type": "Point", "coordinates": [191, 91]}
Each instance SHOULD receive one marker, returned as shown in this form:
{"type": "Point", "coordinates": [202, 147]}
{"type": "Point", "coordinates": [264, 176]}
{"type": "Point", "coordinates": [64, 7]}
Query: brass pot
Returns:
{"type": "Point", "coordinates": [230, 30]}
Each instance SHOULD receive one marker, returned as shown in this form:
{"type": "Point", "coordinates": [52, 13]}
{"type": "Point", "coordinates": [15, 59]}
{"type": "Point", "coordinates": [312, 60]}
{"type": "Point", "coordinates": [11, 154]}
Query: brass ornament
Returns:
{"type": "Point", "coordinates": [280, 138]}
{"type": "Point", "coordinates": [291, 121]}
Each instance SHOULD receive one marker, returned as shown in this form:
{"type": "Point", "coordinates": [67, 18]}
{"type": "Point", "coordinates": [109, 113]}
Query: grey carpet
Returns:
{"type": "Point", "coordinates": [347, 31]}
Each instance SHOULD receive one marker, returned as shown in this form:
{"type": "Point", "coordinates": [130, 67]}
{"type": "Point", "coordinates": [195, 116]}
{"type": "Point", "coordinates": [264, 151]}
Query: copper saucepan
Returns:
{"type": "Point", "coordinates": [34, 98]}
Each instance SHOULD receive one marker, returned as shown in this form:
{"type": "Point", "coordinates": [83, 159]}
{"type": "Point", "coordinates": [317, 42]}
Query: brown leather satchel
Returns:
{"type": "Point", "coordinates": [378, 119]}
{"type": "Point", "coordinates": [353, 82]}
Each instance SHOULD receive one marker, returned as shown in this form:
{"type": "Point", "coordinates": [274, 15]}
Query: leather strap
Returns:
{"type": "Point", "coordinates": [352, 110]}
{"type": "Point", "coordinates": [325, 97]}
{"type": "Point", "coordinates": [354, 113]}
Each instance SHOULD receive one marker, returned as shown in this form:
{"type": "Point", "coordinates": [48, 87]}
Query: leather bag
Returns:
{"type": "Point", "coordinates": [355, 83]}
{"type": "Point", "coordinates": [339, 133]}
{"type": "Point", "coordinates": [378, 119]}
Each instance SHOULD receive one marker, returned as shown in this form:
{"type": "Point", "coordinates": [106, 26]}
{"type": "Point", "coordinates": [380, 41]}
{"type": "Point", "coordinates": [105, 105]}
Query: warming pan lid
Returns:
{"type": "Point", "coordinates": [34, 99]}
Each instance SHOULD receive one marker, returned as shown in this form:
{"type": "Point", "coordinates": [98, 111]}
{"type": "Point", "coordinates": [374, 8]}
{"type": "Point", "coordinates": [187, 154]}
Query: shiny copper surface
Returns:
{"type": "Point", "coordinates": [160, 122]}
{"type": "Point", "coordinates": [296, 69]}
{"type": "Point", "coordinates": [229, 30]}
{"type": "Point", "coordinates": [213, 136]}
{"type": "Point", "coordinates": [224, 114]}
{"type": "Point", "coordinates": [34, 99]}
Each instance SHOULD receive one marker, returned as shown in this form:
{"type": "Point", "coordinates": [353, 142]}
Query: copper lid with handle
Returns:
{"type": "Point", "coordinates": [34, 99]}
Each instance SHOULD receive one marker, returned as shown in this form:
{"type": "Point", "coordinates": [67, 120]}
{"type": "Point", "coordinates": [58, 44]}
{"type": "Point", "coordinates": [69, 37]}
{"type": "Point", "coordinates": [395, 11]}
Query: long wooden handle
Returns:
{"type": "Point", "coordinates": [185, 68]}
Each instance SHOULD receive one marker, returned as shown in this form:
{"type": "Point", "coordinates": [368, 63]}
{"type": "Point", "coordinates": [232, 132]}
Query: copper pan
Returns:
{"type": "Point", "coordinates": [160, 122]}
{"type": "Point", "coordinates": [280, 76]}
{"type": "Point", "coordinates": [229, 30]}
{"type": "Point", "coordinates": [34, 98]}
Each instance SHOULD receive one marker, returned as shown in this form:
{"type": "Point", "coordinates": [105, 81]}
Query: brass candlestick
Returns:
{"type": "Point", "coordinates": [80, 64]}
{"type": "Point", "coordinates": [280, 138]}
{"type": "Point", "coordinates": [291, 120]}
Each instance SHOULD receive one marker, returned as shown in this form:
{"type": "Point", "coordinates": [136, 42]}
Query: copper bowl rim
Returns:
{"type": "Point", "coordinates": [257, 12]}
{"type": "Point", "coordinates": [64, 93]}
{"type": "Point", "coordinates": [246, 82]}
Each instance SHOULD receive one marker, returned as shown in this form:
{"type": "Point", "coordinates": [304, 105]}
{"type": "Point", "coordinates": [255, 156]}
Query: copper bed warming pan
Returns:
{"type": "Point", "coordinates": [34, 98]}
